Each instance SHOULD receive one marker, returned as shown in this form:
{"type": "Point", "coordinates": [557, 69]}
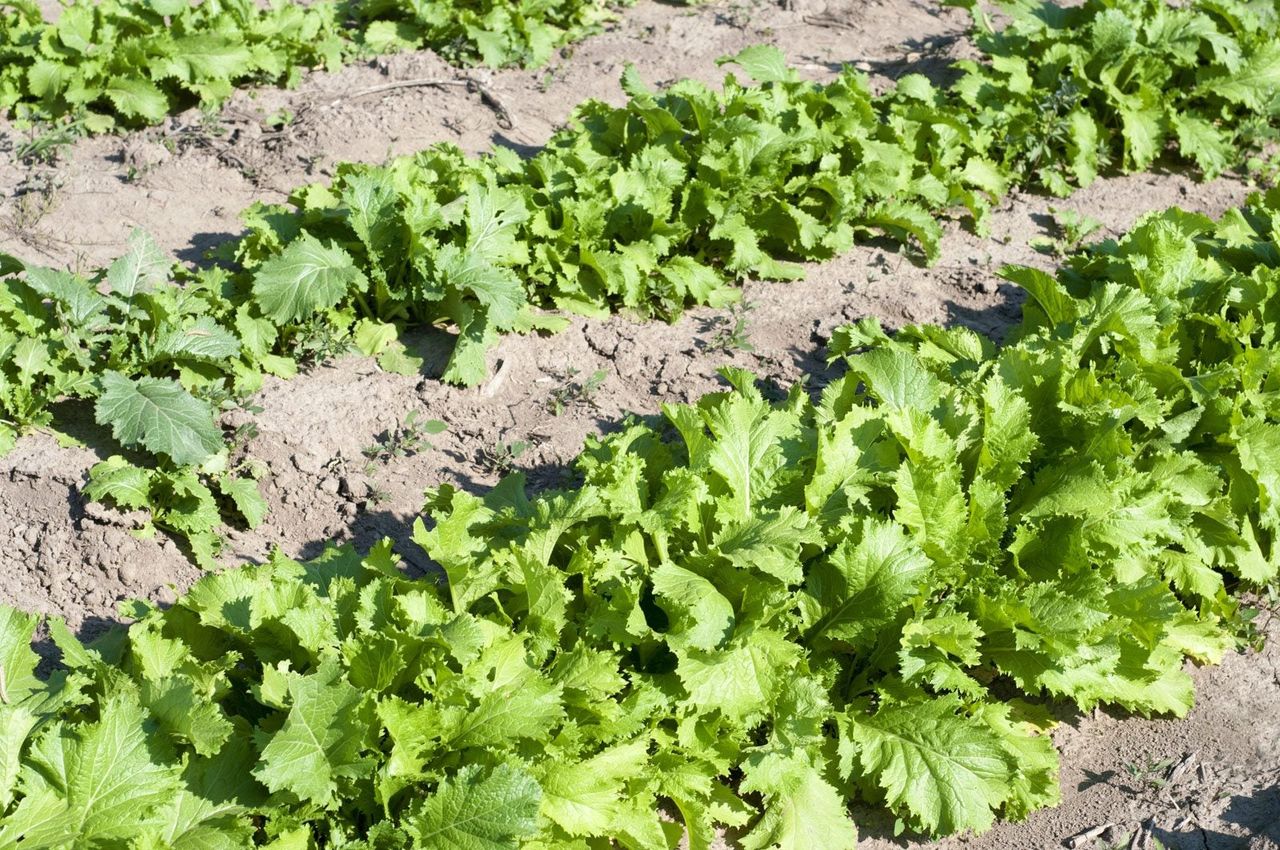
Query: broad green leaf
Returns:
{"type": "Point", "coordinates": [308, 276]}
{"type": "Point", "coordinates": [204, 339]}
{"type": "Point", "coordinates": [479, 809]}
{"type": "Point", "coordinates": [947, 772]}
{"type": "Point", "coordinates": [322, 740]}
{"type": "Point", "coordinates": [801, 809]}
{"type": "Point", "coordinates": [158, 415]}
{"type": "Point", "coordinates": [763, 63]}
{"type": "Point", "coordinates": [141, 269]}
{"type": "Point", "coordinates": [247, 497]}
{"type": "Point", "coordinates": [864, 583]}
{"type": "Point", "coordinates": [137, 98]}
{"type": "Point", "coordinates": [98, 782]}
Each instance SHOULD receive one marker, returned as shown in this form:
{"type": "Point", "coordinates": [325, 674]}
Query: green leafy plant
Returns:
{"type": "Point", "coordinates": [667, 200]}
{"type": "Point", "coordinates": [754, 610]}
{"type": "Point", "coordinates": [661, 203]}
{"type": "Point", "coordinates": [157, 361]}
{"type": "Point", "coordinates": [1073, 91]}
{"type": "Point", "coordinates": [132, 62]}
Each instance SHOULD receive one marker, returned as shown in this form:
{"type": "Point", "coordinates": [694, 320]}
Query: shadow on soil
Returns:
{"type": "Point", "coordinates": [1257, 814]}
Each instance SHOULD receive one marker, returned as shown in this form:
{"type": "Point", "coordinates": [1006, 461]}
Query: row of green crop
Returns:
{"type": "Point", "coordinates": [649, 207]}
{"type": "Point", "coordinates": [109, 62]}
{"type": "Point", "coordinates": [744, 614]}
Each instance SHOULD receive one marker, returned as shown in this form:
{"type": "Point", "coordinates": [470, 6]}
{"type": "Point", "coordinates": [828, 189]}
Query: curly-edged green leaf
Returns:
{"type": "Point", "coordinates": [123, 483]}
{"type": "Point", "coordinates": [898, 379]}
{"type": "Point", "coordinates": [1256, 83]}
{"type": "Point", "coordinates": [136, 97]}
{"type": "Point", "coordinates": [703, 618]}
{"type": "Point", "coordinates": [764, 63]}
{"type": "Point", "coordinates": [741, 680]}
{"type": "Point", "coordinates": [160, 416]}
{"type": "Point", "coordinates": [1202, 143]}
{"type": "Point", "coordinates": [30, 357]}
{"type": "Point", "coordinates": [17, 659]}
{"type": "Point", "coordinates": [101, 782]}
{"type": "Point", "coordinates": [48, 79]}
{"type": "Point", "coordinates": [947, 771]}
{"type": "Point", "coordinates": [321, 741]}
{"type": "Point", "coordinates": [802, 810]}
{"type": "Point", "coordinates": [245, 495]}
{"type": "Point", "coordinates": [16, 724]}
{"type": "Point", "coordinates": [208, 812]}
{"type": "Point", "coordinates": [497, 289]}
{"type": "Point", "coordinates": [865, 582]}
{"type": "Point", "coordinates": [204, 339]}
{"type": "Point", "coordinates": [587, 798]}
{"type": "Point", "coordinates": [209, 57]}
{"type": "Point", "coordinates": [479, 809]}
{"type": "Point", "coordinates": [308, 276]}
{"type": "Point", "coordinates": [73, 292]}
{"type": "Point", "coordinates": [469, 365]}
{"type": "Point", "coordinates": [1142, 135]}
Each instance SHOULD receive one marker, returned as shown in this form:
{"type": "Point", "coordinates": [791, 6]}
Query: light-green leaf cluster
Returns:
{"type": "Point", "coordinates": [756, 611]}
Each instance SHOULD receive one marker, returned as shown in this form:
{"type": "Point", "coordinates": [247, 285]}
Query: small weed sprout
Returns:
{"type": "Point", "coordinates": [1071, 230]}
{"type": "Point", "coordinates": [573, 392]}
{"type": "Point", "coordinates": [734, 331]}
{"type": "Point", "coordinates": [408, 439]}
{"type": "Point", "coordinates": [501, 457]}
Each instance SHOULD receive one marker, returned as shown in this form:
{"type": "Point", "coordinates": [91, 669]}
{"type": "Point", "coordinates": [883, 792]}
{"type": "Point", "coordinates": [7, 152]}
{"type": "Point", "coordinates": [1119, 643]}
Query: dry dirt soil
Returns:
{"type": "Point", "coordinates": [1208, 782]}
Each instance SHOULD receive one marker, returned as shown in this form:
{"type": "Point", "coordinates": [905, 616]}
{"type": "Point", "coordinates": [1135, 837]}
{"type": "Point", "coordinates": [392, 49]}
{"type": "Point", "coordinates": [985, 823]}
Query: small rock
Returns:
{"type": "Point", "coordinates": [166, 595]}
{"type": "Point", "coordinates": [144, 154]}
{"type": "Point", "coordinates": [308, 463]}
{"type": "Point", "coordinates": [348, 509]}
{"type": "Point", "coordinates": [984, 286]}
{"type": "Point", "coordinates": [913, 57]}
{"type": "Point", "coordinates": [330, 485]}
{"type": "Point", "coordinates": [31, 537]}
{"type": "Point", "coordinates": [129, 574]}
{"type": "Point", "coordinates": [103, 515]}
{"type": "Point", "coordinates": [355, 489]}
{"type": "Point", "coordinates": [237, 418]}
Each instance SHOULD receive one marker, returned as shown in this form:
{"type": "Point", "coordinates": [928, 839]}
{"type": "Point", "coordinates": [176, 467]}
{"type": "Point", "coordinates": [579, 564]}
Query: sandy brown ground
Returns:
{"type": "Point", "coordinates": [186, 181]}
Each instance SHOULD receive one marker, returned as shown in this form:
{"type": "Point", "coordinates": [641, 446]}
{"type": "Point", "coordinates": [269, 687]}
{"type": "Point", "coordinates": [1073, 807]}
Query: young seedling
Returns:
{"type": "Point", "coordinates": [280, 119]}
{"type": "Point", "coordinates": [573, 392]}
{"type": "Point", "coordinates": [1070, 228]}
{"type": "Point", "coordinates": [501, 457]}
{"type": "Point", "coordinates": [46, 143]}
{"type": "Point", "coordinates": [407, 439]}
{"type": "Point", "coordinates": [319, 341]}
{"type": "Point", "coordinates": [1150, 776]}
{"type": "Point", "coordinates": [734, 331]}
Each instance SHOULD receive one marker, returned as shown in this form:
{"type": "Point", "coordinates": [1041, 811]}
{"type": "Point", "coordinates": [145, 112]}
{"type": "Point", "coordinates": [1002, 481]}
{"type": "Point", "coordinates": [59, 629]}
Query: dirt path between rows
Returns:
{"type": "Point", "coordinates": [1211, 781]}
